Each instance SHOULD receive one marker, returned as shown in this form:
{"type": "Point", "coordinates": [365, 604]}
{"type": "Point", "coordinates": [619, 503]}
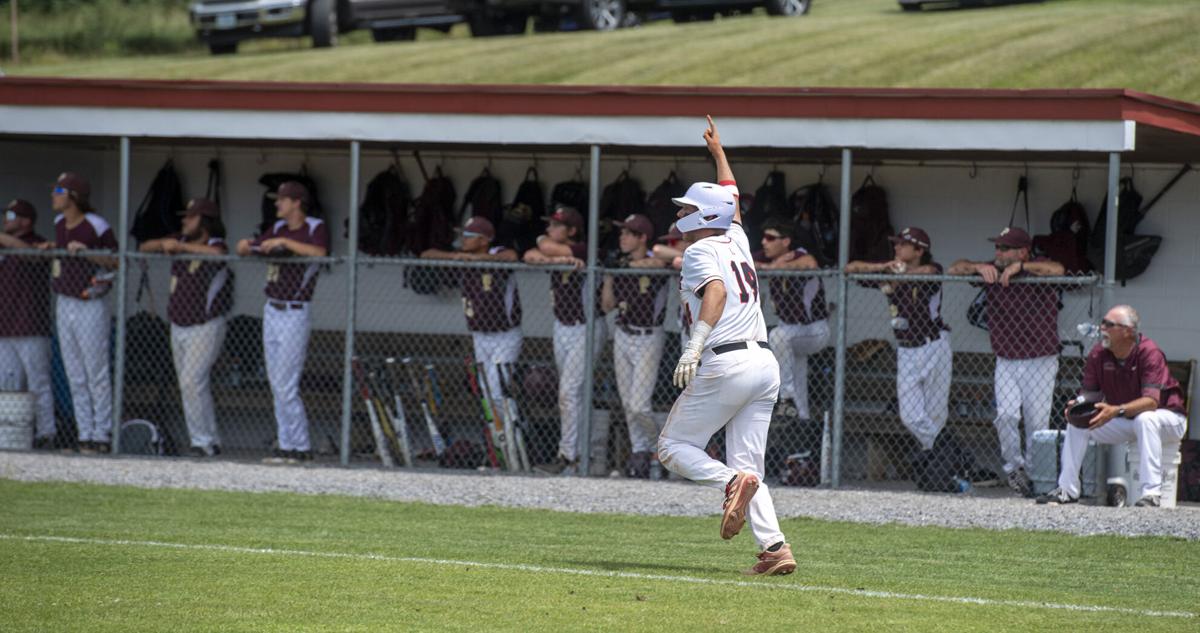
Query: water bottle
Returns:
{"type": "Point", "coordinates": [1088, 330]}
{"type": "Point", "coordinates": [962, 485]}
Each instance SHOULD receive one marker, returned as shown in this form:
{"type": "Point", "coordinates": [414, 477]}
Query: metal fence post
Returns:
{"type": "Point", "coordinates": [351, 304]}
{"type": "Point", "coordinates": [589, 313]}
{"type": "Point", "coordinates": [1110, 228]}
{"type": "Point", "coordinates": [122, 286]}
{"type": "Point", "coordinates": [839, 368]}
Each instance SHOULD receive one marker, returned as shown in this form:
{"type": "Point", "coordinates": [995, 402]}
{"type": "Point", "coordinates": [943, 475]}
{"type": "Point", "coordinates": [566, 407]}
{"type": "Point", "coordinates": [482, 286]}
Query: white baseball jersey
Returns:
{"type": "Point", "coordinates": [725, 257]}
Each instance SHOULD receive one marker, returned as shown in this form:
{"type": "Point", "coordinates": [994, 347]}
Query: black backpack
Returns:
{"type": "Point", "coordinates": [770, 202]}
{"type": "Point", "coordinates": [570, 193]}
{"type": "Point", "coordinates": [870, 223]}
{"type": "Point", "coordinates": [431, 225]}
{"type": "Point", "coordinates": [1067, 242]}
{"type": "Point", "coordinates": [483, 198]}
{"type": "Point", "coordinates": [815, 217]}
{"type": "Point", "coordinates": [941, 468]}
{"type": "Point", "coordinates": [522, 221]}
{"type": "Point", "coordinates": [1134, 252]}
{"type": "Point", "coordinates": [272, 182]}
{"type": "Point", "coordinates": [623, 197]}
{"type": "Point", "coordinates": [158, 214]}
{"type": "Point", "coordinates": [383, 214]}
{"type": "Point", "coordinates": [660, 208]}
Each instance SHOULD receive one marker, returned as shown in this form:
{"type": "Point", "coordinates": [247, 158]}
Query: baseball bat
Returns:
{"type": "Point", "coordinates": [499, 438]}
{"type": "Point", "coordinates": [385, 416]}
{"type": "Point", "coordinates": [400, 419]}
{"type": "Point", "coordinates": [376, 430]}
{"type": "Point", "coordinates": [439, 444]}
{"type": "Point", "coordinates": [503, 423]}
{"type": "Point", "coordinates": [487, 415]}
{"type": "Point", "coordinates": [507, 388]}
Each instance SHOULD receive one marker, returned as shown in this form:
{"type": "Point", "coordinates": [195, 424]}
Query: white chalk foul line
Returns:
{"type": "Point", "coordinates": [783, 585]}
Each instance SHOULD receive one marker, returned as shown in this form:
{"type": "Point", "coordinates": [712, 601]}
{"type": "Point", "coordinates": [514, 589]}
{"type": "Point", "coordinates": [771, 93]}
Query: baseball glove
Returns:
{"type": "Point", "coordinates": [1080, 415]}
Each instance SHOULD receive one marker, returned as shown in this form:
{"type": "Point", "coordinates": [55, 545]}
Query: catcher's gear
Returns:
{"type": "Point", "coordinates": [1081, 414]}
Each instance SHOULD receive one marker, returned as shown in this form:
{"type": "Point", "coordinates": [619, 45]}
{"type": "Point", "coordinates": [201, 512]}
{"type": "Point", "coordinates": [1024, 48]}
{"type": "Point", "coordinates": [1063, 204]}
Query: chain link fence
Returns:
{"type": "Point", "coordinates": [472, 364]}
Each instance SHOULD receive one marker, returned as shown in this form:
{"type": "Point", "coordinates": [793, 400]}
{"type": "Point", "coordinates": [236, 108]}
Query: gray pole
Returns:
{"type": "Point", "coordinates": [589, 311]}
{"type": "Point", "coordinates": [839, 371]}
{"type": "Point", "coordinates": [1110, 228]}
{"type": "Point", "coordinates": [351, 304]}
{"type": "Point", "coordinates": [15, 34]}
{"type": "Point", "coordinates": [122, 285]}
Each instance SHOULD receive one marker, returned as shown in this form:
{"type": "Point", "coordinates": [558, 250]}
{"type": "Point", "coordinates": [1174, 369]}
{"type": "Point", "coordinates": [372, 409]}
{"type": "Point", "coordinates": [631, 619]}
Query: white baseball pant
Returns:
{"type": "Point", "coordinates": [29, 357]}
{"type": "Point", "coordinates": [195, 348]}
{"type": "Point", "coordinates": [635, 363]}
{"type": "Point", "coordinates": [793, 343]}
{"type": "Point", "coordinates": [923, 387]}
{"type": "Point", "coordinates": [493, 349]}
{"type": "Point", "coordinates": [1150, 430]}
{"type": "Point", "coordinates": [83, 334]}
{"type": "Point", "coordinates": [285, 345]}
{"type": "Point", "coordinates": [569, 354]}
{"type": "Point", "coordinates": [736, 390]}
{"type": "Point", "coordinates": [1022, 386]}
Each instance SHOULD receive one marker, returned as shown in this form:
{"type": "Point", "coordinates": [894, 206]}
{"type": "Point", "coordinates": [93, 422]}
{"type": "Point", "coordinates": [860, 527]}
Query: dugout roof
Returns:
{"type": "Point", "coordinates": [878, 123]}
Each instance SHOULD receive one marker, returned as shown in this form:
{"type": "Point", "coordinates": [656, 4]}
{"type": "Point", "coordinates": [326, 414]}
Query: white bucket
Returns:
{"type": "Point", "coordinates": [16, 421]}
{"type": "Point", "coordinates": [1171, 459]}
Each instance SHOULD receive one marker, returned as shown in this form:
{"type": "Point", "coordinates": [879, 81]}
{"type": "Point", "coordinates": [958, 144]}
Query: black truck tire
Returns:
{"type": "Point", "coordinates": [602, 15]}
{"type": "Point", "coordinates": [788, 7]}
{"type": "Point", "coordinates": [323, 23]}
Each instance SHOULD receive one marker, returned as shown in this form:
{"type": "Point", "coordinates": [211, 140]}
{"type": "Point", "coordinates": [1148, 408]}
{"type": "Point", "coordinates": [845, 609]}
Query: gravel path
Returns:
{"type": "Point", "coordinates": [989, 509]}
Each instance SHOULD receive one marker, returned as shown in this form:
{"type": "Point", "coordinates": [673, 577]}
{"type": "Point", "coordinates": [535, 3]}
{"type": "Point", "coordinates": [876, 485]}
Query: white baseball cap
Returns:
{"type": "Point", "coordinates": [715, 207]}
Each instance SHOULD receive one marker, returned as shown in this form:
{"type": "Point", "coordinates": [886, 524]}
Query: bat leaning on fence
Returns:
{"type": "Point", "coordinates": [488, 419]}
{"type": "Point", "coordinates": [376, 430]}
{"type": "Point", "coordinates": [516, 422]}
{"type": "Point", "coordinates": [390, 376]}
{"type": "Point", "coordinates": [387, 418]}
{"type": "Point", "coordinates": [503, 426]}
{"type": "Point", "coordinates": [439, 444]}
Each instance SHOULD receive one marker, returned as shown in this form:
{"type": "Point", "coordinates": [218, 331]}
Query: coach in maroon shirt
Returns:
{"type": "Point", "coordinates": [1022, 321]}
{"type": "Point", "coordinates": [25, 319]}
{"type": "Point", "coordinates": [1136, 399]}
{"type": "Point", "coordinates": [289, 291]}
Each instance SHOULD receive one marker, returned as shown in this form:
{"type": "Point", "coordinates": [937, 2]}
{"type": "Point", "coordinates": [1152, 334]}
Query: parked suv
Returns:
{"type": "Point", "coordinates": [506, 17]}
{"type": "Point", "coordinates": [222, 24]}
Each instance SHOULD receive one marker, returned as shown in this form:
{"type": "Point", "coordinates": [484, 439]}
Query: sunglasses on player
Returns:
{"type": "Point", "coordinates": [1004, 249]}
{"type": "Point", "coordinates": [58, 191]}
{"type": "Point", "coordinates": [1111, 324]}
{"type": "Point", "coordinates": [769, 237]}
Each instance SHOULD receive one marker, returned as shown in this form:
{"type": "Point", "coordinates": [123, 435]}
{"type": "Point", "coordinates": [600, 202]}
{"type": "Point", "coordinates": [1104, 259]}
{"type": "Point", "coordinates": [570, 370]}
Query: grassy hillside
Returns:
{"type": "Point", "coordinates": [1148, 45]}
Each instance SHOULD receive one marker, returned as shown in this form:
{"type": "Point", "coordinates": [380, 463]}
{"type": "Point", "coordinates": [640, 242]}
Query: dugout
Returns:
{"type": "Point", "coordinates": [949, 158]}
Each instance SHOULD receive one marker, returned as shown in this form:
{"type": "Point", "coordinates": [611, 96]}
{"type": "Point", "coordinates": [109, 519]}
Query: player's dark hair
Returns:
{"type": "Point", "coordinates": [926, 256]}
{"type": "Point", "coordinates": [213, 226]}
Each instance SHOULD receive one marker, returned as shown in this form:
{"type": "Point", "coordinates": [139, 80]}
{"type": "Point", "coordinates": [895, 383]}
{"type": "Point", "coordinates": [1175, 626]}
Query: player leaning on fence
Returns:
{"type": "Point", "coordinates": [728, 374]}
{"type": "Point", "coordinates": [1022, 324]}
{"type": "Point", "coordinates": [491, 302]}
{"type": "Point", "coordinates": [923, 357]}
{"type": "Point", "coordinates": [200, 297]}
{"type": "Point", "coordinates": [25, 319]}
{"type": "Point", "coordinates": [289, 293]}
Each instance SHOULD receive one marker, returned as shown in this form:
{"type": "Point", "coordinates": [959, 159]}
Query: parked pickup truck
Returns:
{"type": "Point", "coordinates": [222, 24]}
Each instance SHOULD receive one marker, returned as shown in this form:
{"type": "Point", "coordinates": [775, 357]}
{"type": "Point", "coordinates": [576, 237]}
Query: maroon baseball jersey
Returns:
{"type": "Point", "coordinates": [1023, 319]}
{"type": "Point", "coordinates": [490, 298]}
{"type": "Point", "coordinates": [1143, 373]}
{"type": "Point", "coordinates": [641, 299]}
{"type": "Point", "coordinates": [201, 290]}
{"type": "Point", "coordinates": [70, 276]}
{"type": "Point", "coordinates": [797, 300]}
{"type": "Point", "coordinates": [566, 290]}
{"type": "Point", "coordinates": [294, 282]}
{"type": "Point", "coordinates": [915, 308]}
{"type": "Point", "coordinates": [25, 281]}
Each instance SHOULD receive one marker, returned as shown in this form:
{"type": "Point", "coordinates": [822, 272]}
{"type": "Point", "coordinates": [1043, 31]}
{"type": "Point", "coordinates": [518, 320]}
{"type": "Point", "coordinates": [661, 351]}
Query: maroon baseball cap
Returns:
{"type": "Point", "coordinates": [479, 226]}
{"type": "Point", "coordinates": [913, 236]}
{"type": "Point", "coordinates": [294, 190]}
{"type": "Point", "coordinates": [203, 207]}
{"type": "Point", "coordinates": [1013, 237]}
{"type": "Point", "coordinates": [638, 223]}
{"type": "Point", "coordinates": [72, 181]}
{"type": "Point", "coordinates": [22, 208]}
{"type": "Point", "coordinates": [569, 216]}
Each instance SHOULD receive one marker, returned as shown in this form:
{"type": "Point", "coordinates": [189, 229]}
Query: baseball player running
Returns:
{"type": "Point", "coordinates": [641, 304]}
{"type": "Point", "coordinates": [800, 306]}
{"type": "Point", "coordinates": [200, 297]}
{"type": "Point", "coordinates": [289, 293]}
{"type": "Point", "coordinates": [923, 360]}
{"type": "Point", "coordinates": [81, 313]}
{"type": "Point", "coordinates": [491, 302]}
{"type": "Point", "coordinates": [25, 321]}
{"type": "Point", "coordinates": [728, 374]}
{"type": "Point", "coordinates": [1023, 330]}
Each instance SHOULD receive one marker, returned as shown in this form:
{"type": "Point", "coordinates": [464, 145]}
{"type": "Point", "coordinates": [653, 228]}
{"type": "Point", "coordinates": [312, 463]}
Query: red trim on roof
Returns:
{"type": "Point", "coordinates": [841, 103]}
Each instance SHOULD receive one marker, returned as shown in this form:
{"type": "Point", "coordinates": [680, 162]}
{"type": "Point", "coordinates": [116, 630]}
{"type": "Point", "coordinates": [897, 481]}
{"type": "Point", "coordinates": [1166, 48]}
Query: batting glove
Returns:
{"type": "Point", "coordinates": [689, 361]}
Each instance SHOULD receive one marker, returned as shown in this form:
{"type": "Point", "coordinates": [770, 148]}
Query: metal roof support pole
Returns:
{"type": "Point", "coordinates": [839, 368]}
{"type": "Point", "coordinates": [1110, 228]}
{"type": "Point", "coordinates": [589, 313]}
{"type": "Point", "coordinates": [122, 287]}
{"type": "Point", "coordinates": [351, 305]}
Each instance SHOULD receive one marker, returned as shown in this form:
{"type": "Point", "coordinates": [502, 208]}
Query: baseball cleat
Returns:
{"type": "Point", "coordinates": [738, 493]}
{"type": "Point", "coordinates": [777, 563]}
{"type": "Point", "coordinates": [1056, 497]}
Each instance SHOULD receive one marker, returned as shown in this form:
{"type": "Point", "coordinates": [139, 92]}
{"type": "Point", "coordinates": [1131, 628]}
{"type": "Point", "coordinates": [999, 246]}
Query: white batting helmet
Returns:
{"type": "Point", "coordinates": [715, 207]}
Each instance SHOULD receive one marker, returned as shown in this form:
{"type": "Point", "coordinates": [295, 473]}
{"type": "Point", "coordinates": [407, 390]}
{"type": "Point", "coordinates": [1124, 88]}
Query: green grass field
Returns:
{"type": "Point", "coordinates": [1147, 45]}
{"type": "Point", "coordinates": [92, 558]}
